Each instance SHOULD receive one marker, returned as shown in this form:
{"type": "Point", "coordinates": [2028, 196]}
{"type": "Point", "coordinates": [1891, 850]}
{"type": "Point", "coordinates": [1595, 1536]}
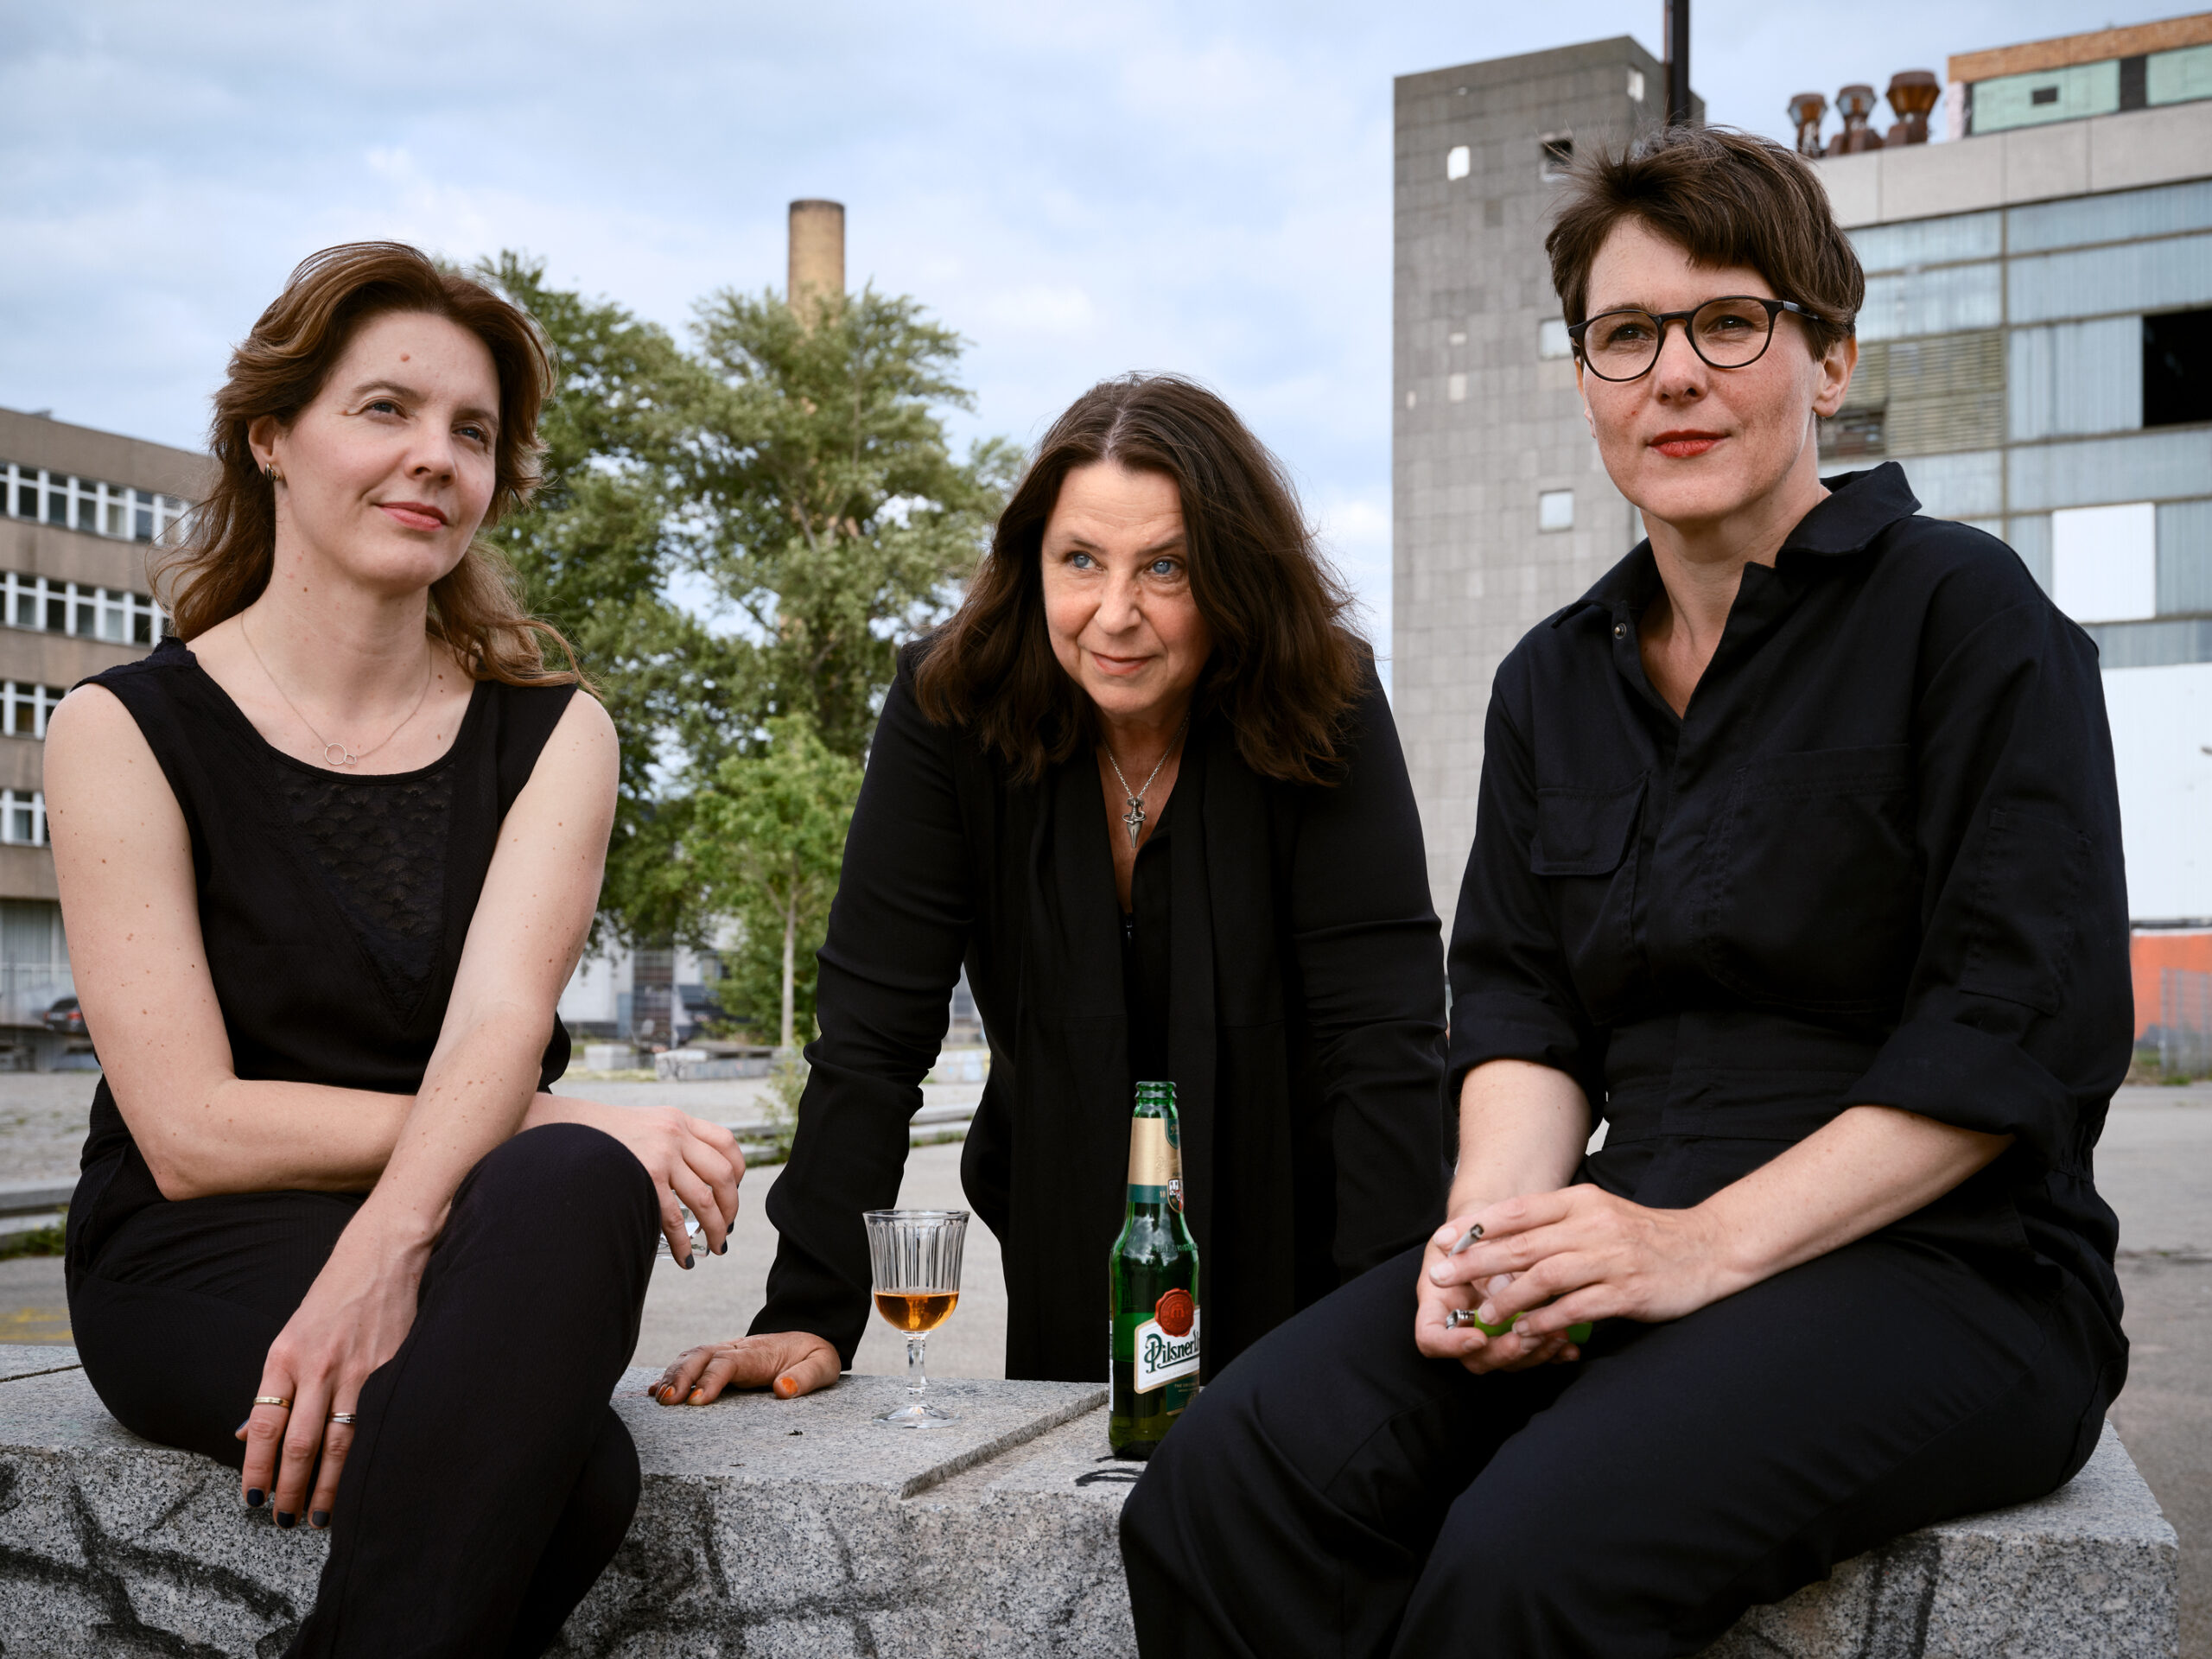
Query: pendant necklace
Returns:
{"type": "Point", "coordinates": [1134, 816]}
{"type": "Point", "coordinates": [337, 756]}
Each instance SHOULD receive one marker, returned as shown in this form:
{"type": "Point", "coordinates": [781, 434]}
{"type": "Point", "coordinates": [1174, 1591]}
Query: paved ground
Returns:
{"type": "Point", "coordinates": [2154, 1163]}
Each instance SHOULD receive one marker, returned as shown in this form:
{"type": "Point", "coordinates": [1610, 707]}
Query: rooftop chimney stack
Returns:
{"type": "Point", "coordinates": [1913, 93]}
{"type": "Point", "coordinates": [817, 255]}
{"type": "Point", "coordinates": [1856, 103]}
{"type": "Point", "coordinates": [1808, 110]}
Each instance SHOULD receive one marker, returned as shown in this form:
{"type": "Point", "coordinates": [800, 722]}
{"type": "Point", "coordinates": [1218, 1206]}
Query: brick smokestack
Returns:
{"type": "Point", "coordinates": [817, 253]}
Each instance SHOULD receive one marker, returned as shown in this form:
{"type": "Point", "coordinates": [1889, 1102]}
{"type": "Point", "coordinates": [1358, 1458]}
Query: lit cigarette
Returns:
{"type": "Point", "coordinates": [1466, 1239]}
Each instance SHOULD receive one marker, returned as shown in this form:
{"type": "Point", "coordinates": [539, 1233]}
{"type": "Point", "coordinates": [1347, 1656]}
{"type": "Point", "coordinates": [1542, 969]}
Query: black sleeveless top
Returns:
{"type": "Point", "coordinates": [333, 905]}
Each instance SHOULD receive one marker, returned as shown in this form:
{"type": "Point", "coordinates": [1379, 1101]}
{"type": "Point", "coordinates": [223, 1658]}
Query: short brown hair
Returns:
{"type": "Point", "coordinates": [1285, 668]}
{"type": "Point", "coordinates": [1724, 198]}
{"type": "Point", "coordinates": [279, 369]}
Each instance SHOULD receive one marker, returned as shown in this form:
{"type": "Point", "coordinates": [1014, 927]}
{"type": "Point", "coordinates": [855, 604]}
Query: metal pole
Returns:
{"type": "Point", "coordinates": [1678, 62]}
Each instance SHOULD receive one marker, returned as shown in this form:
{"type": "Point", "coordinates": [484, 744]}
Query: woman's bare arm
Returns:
{"type": "Point", "coordinates": [122, 857]}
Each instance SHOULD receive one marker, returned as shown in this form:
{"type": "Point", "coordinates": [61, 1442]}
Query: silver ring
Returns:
{"type": "Point", "coordinates": [348, 1418]}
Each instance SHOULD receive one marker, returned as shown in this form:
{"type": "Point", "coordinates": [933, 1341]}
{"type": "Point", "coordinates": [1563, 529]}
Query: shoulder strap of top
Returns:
{"type": "Point", "coordinates": [528, 715]}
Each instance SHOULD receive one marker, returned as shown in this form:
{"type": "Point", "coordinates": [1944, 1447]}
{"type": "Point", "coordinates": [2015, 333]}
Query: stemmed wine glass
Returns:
{"type": "Point", "coordinates": [914, 1258]}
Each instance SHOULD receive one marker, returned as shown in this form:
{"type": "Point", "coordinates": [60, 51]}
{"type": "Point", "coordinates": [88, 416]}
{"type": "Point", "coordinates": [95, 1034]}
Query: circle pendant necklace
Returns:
{"type": "Point", "coordinates": [337, 756]}
{"type": "Point", "coordinates": [1134, 818]}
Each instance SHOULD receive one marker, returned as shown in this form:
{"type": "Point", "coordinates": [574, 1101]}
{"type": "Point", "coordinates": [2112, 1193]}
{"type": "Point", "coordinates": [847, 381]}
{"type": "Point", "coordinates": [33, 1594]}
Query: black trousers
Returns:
{"type": "Point", "coordinates": [489, 1482]}
{"type": "Point", "coordinates": [1336, 1493]}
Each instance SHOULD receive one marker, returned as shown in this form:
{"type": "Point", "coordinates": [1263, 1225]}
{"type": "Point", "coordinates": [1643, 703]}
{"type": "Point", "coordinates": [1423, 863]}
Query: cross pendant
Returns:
{"type": "Point", "coordinates": [1134, 819]}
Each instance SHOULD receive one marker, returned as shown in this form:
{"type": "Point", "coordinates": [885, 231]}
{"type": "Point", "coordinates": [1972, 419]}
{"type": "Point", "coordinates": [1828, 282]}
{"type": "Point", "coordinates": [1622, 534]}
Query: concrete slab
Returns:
{"type": "Point", "coordinates": [804, 1526]}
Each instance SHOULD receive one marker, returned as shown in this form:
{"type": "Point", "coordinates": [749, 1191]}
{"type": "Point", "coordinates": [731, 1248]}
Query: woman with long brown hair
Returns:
{"type": "Point", "coordinates": [327, 856]}
{"type": "Point", "coordinates": [1145, 786]}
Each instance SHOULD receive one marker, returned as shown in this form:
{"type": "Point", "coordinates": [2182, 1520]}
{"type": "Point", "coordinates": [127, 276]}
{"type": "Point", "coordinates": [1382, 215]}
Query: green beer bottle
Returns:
{"type": "Point", "coordinates": [1153, 1285]}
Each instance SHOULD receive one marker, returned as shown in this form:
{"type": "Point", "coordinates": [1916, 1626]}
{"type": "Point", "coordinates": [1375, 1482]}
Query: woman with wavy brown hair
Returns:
{"type": "Point", "coordinates": [1145, 786]}
{"type": "Point", "coordinates": [327, 856]}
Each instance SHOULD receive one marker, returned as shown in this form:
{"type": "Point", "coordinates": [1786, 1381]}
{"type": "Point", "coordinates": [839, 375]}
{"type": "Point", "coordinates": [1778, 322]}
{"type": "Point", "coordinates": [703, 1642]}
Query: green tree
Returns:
{"type": "Point", "coordinates": [767, 841]}
{"type": "Point", "coordinates": [826, 506]}
{"type": "Point", "coordinates": [596, 550]}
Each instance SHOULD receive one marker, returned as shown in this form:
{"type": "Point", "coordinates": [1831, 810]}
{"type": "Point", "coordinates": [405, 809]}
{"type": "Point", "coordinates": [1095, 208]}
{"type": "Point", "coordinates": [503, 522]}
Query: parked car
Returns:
{"type": "Point", "coordinates": [66, 1017]}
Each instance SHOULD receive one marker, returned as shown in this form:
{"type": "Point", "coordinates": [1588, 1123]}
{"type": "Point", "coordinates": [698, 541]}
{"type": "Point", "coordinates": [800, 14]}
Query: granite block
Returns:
{"type": "Point", "coordinates": [804, 1528]}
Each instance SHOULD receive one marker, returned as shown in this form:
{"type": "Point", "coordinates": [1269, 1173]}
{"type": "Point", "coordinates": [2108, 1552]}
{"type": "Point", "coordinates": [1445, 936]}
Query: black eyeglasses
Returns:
{"type": "Point", "coordinates": [1730, 333]}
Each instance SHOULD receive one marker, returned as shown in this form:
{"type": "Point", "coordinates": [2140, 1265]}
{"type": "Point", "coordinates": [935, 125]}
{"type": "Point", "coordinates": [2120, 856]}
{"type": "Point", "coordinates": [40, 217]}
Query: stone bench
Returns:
{"type": "Point", "coordinates": [803, 1529]}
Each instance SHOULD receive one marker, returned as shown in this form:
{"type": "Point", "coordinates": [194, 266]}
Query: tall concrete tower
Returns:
{"type": "Point", "coordinates": [817, 253]}
{"type": "Point", "coordinates": [1501, 510]}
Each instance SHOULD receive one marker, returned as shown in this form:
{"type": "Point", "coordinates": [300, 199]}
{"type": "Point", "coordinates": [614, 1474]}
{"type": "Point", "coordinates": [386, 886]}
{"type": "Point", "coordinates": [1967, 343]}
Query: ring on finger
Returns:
{"type": "Point", "coordinates": [348, 1418]}
{"type": "Point", "coordinates": [272, 1400]}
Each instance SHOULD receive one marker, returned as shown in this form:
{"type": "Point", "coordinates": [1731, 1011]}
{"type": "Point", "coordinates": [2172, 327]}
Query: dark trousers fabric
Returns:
{"type": "Point", "coordinates": [490, 1482]}
{"type": "Point", "coordinates": [1335, 1493]}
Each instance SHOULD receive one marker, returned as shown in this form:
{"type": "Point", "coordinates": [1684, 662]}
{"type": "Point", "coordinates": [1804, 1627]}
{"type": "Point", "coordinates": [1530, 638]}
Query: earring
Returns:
{"type": "Point", "coordinates": [270, 471]}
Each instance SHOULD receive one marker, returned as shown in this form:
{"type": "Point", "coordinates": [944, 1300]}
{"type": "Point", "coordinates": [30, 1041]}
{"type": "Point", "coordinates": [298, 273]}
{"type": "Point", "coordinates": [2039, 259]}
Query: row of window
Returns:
{"type": "Point", "coordinates": [41, 603]}
{"type": "Point", "coordinates": [24, 707]}
{"type": "Point", "coordinates": [2144, 81]}
{"type": "Point", "coordinates": [2073, 222]}
{"type": "Point", "coordinates": [23, 817]}
{"type": "Point", "coordinates": [88, 505]}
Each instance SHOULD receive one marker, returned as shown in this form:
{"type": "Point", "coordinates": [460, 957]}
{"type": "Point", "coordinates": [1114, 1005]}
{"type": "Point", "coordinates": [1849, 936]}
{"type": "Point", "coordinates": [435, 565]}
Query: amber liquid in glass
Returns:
{"type": "Point", "coordinates": [916, 1311]}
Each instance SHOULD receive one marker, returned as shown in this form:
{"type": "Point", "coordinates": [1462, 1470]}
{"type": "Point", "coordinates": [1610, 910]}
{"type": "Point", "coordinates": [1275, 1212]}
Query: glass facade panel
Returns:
{"type": "Point", "coordinates": [2148, 466]}
{"type": "Point", "coordinates": [2140, 276]}
{"type": "Point", "coordinates": [2030, 535]}
{"type": "Point", "coordinates": [2185, 558]}
{"type": "Point", "coordinates": [1959, 486]}
{"type": "Point", "coordinates": [2179, 76]}
{"type": "Point", "coordinates": [2122, 215]}
{"type": "Point", "coordinates": [2075, 377]}
{"type": "Point", "coordinates": [2031, 100]}
{"type": "Point", "coordinates": [1932, 302]}
{"type": "Point", "coordinates": [2151, 645]}
{"type": "Point", "coordinates": [1929, 241]}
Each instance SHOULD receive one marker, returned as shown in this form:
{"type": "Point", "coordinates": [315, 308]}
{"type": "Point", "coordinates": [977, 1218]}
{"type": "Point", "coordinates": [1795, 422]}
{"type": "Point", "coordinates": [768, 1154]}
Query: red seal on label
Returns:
{"type": "Point", "coordinates": [1175, 1312]}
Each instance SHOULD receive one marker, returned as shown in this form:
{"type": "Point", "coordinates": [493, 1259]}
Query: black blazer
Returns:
{"type": "Point", "coordinates": [1307, 1033]}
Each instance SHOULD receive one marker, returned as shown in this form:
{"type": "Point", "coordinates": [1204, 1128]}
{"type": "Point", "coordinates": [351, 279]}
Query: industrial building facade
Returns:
{"type": "Point", "coordinates": [2036, 351]}
{"type": "Point", "coordinates": [83, 511]}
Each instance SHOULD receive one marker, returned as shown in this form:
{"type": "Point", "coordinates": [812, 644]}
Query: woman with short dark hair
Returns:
{"type": "Point", "coordinates": [1144, 784]}
{"type": "Point", "coordinates": [1797, 862]}
{"type": "Point", "coordinates": [327, 856]}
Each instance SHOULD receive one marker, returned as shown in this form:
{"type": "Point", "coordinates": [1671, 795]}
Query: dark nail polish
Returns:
{"type": "Point", "coordinates": [725, 1248]}
{"type": "Point", "coordinates": [320, 1520]}
{"type": "Point", "coordinates": [286, 1521]}
{"type": "Point", "coordinates": [688, 1260]}
{"type": "Point", "coordinates": [240, 1429]}
{"type": "Point", "coordinates": [255, 1498]}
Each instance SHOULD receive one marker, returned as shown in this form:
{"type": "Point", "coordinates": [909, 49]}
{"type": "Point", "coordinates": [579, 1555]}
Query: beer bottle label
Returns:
{"type": "Point", "coordinates": [1153, 1161]}
{"type": "Point", "coordinates": [1167, 1343]}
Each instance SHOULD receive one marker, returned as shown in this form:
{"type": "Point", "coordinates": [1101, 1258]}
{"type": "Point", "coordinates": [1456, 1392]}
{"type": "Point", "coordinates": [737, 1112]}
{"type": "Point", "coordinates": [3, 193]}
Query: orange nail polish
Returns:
{"type": "Point", "coordinates": [785, 1388]}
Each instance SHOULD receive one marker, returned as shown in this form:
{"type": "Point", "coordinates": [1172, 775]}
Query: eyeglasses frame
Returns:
{"type": "Point", "coordinates": [1774, 309]}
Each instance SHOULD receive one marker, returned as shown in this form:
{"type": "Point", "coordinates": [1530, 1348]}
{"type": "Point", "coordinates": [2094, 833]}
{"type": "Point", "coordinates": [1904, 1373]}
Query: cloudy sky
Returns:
{"type": "Point", "coordinates": [1079, 190]}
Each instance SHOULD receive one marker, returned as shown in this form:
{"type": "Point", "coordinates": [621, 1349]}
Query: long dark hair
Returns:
{"type": "Point", "coordinates": [278, 368]}
{"type": "Point", "coordinates": [1285, 667]}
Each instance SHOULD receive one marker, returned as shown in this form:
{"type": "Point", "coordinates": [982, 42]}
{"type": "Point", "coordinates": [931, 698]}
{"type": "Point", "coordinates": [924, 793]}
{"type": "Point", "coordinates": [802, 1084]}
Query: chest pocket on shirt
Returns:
{"type": "Point", "coordinates": [1809, 889]}
{"type": "Point", "coordinates": [1586, 846]}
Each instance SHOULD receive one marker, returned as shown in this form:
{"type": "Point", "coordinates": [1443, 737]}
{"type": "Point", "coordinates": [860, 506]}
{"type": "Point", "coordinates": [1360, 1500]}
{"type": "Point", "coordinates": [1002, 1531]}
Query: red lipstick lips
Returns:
{"type": "Point", "coordinates": [1682, 445]}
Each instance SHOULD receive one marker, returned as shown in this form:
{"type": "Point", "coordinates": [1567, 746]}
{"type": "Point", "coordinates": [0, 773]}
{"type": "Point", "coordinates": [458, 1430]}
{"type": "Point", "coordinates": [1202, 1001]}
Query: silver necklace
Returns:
{"type": "Point", "coordinates": [1134, 816]}
{"type": "Point", "coordinates": [337, 756]}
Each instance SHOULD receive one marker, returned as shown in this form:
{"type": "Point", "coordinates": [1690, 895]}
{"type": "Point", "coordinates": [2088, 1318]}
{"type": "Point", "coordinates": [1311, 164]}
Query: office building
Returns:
{"type": "Point", "coordinates": [84, 510]}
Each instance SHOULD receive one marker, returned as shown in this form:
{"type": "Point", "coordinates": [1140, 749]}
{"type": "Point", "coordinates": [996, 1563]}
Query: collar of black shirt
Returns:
{"type": "Point", "coordinates": [1860, 506]}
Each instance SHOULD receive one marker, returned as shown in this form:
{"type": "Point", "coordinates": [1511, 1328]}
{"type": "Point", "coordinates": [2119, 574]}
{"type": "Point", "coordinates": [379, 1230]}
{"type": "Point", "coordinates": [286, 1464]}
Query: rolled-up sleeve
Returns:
{"type": "Point", "coordinates": [2018, 1017]}
{"type": "Point", "coordinates": [1513, 997]}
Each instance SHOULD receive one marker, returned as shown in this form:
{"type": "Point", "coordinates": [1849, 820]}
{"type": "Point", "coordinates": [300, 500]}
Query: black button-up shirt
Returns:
{"type": "Point", "coordinates": [1875, 861]}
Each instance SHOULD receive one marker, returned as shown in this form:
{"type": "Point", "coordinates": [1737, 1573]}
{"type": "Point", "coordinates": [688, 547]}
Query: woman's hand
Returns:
{"type": "Point", "coordinates": [1440, 1290]}
{"type": "Point", "coordinates": [1579, 1253]}
{"type": "Point", "coordinates": [352, 1320]}
{"type": "Point", "coordinates": [794, 1362]}
{"type": "Point", "coordinates": [692, 1162]}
